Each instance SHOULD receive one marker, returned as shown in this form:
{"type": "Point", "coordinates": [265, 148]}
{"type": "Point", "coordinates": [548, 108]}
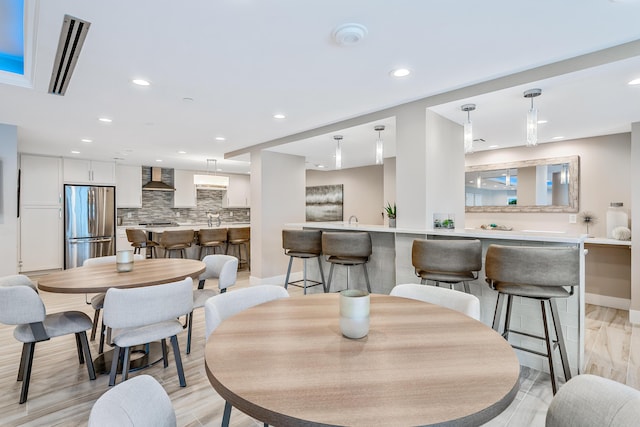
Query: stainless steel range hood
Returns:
{"type": "Point", "coordinates": [156, 183]}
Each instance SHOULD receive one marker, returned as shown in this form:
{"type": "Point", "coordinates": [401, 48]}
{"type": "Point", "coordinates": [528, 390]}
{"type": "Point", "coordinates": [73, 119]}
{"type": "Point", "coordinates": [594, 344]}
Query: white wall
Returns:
{"type": "Point", "coordinates": [8, 200]}
{"type": "Point", "coordinates": [634, 312]}
{"type": "Point", "coordinates": [605, 176]}
{"type": "Point", "coordinates": [277, 198]}
{"type": "Point", "coordinates": [363, 191]}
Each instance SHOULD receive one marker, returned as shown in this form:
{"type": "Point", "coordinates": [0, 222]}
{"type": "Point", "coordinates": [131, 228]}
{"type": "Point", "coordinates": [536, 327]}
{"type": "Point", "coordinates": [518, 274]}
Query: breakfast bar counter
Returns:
{"type": "Point", "coordinates": [390, 264]}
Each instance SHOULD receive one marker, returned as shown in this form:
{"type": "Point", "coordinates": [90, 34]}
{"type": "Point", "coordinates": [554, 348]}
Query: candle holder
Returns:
{"type": "Point", "coordinates": [354, 313]}
{"type": "Point", "coordinates": [124, 261]}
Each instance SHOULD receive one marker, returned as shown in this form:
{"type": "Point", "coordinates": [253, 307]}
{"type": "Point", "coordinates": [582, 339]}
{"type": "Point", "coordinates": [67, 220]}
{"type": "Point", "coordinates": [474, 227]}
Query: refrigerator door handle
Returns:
{"type": "Point", "coordinates": [97, 240]}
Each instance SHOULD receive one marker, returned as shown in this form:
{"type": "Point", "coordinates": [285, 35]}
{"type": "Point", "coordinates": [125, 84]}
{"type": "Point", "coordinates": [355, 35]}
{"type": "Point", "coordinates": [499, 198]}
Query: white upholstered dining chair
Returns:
{"type": "Point", "coordinates": [220, 307]}
{"type": "Point", "coordinates": [21, 305]}
{"type": "Point", "coordinates": [449, 298]}
{"type": "Point", "coordinates": [218, 266]}
{"type": "Point", "coordinates": [139, 402]}
{"type": "Point", "coordinates": [143, 315]}
{"type": "Point", "coordinates": [97, 301]}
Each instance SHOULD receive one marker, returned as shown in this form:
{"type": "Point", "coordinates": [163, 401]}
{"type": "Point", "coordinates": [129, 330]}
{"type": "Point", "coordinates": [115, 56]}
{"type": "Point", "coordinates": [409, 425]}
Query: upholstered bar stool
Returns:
{"type": "Point", "coordinates": [303, 244]}
{"type": "Point", "coordinates": [540, 273]}
{"type": "Point", "coordinates": [447, 261]}
{"type": "Point", "coordinates": [347, 248]}
{"type": "Point", "coordinates": [138, 239]}
{"type": "Point", "coordinates": [237, 238]}
{"type": "Point", "coordinates": [176, 240]}
{"type": "Point", "coordinates": [212, 238]}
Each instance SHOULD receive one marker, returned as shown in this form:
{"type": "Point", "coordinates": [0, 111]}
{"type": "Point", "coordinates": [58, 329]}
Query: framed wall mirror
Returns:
{"type": "Point", "coordinates": [541, 185]}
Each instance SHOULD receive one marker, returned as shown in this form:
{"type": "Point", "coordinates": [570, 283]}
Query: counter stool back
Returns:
{"type": "Point", "coordinates": [540, 273]}
{"type": "Point", "coordinates": [176, 240]}
{"type": "Point", "coordinates": [212, 239]}
{"type": "Point", "coordinates": [347, 248]}
{"type": "Point", "coordinates": [240, 238]}
{"type": "Point", "coordinates": [447, 260]}
{"type": "Point", "coordinates": [138, 239]}
{"type": "Point", "coordinates": [303, 244]}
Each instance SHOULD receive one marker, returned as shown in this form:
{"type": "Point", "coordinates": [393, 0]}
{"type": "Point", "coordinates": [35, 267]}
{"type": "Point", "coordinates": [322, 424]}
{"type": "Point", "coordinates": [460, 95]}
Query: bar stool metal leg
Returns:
{"type": "Point", "coordinates": [560, 337]}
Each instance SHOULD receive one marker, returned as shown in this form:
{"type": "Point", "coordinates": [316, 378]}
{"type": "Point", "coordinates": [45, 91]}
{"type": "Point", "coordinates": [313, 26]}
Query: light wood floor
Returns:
{"type": "Point", "coordinates": [61, 393]}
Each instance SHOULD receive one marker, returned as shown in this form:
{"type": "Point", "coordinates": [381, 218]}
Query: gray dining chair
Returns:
{"type": "Point", "coordinates": [97, 301]}
{"type": "Point", "coordinates": [592, 401]}
{"type": "Point", "coordinates": [447, 261]}
{"type": "Point", "coordinates": [21, 305]}
{"type": "Point", "coordinates": [218, 266]}
{"type": "Point", "coordinates": [143, 315]}
{"type": "Point", "coordinates": [221, 307]}
{"type": "Point", "coordinates": [139, 402]}
{"type": "Point", "coordinates": [450, 298]}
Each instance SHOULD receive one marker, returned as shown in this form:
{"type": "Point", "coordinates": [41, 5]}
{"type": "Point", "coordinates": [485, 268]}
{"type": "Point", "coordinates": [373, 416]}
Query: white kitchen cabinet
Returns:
{"type": "Point", "coordinates": [80, 171]}
{"type": "Point", "coordinates": [41, 220]}
{"type": "Point", "coordinates": [185, 194]}
{"type": "Point", "coordinates": [41, 238]}
{"type": "Point", "coordinates": [238, 192]}
{"type": "Point", "coordinates": [128, 186]}
{"type": "Point", "coordinates": [40, 180]}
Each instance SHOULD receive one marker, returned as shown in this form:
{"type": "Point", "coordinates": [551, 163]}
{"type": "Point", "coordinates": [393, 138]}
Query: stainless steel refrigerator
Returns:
{"type": "Point", "coordinates": [89, 222]}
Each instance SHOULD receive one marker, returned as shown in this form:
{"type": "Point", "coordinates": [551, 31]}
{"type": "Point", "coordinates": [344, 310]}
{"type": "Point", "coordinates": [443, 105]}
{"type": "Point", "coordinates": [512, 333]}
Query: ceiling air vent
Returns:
{"type": "Point", "coordinates": [72, 36]}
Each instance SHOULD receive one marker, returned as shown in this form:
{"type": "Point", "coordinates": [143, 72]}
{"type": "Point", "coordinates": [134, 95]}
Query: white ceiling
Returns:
{"type": "Point", "coordinates": [241, 61]}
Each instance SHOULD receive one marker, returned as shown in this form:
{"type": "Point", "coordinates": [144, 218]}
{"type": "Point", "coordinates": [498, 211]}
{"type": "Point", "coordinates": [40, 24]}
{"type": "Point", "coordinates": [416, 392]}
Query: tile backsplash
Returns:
{"type": "Point", "coordinates": [157, 206]}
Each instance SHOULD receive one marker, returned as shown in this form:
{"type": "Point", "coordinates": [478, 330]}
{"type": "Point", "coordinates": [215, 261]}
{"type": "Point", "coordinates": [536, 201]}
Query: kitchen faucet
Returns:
{"type": "Point", "coordinates": [210, 219]}
{"type": "Point", "coordinates": [353, 217]}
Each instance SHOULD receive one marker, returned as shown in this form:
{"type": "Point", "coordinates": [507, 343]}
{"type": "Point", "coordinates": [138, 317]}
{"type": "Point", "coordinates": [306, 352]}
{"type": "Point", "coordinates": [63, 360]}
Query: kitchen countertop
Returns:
{"type": "Point", "coordinates": [524, 235]}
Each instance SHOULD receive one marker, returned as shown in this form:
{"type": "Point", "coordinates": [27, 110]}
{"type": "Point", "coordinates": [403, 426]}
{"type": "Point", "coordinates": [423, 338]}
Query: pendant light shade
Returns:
{"type": "Point", "coordinates": [211, 181]}
{"type": "Point", "coordinates": [338, 139]}
{"type": "Point", "coordinates": [468, 128]}
{"type": "Point", "coordinates": [532, 118]}
{"type": "Point", "coordinates": [379, 145]}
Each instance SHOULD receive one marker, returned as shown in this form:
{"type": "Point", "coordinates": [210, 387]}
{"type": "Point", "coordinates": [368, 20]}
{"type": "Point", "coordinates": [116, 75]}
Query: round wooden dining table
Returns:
{"type": "Point", "coordinates": [99, 278]}
{"type": "Point", "coordinates": [286, 363]}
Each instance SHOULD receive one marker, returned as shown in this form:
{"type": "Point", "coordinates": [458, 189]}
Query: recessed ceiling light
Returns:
{"type": "Point", "coordinates": [86, 140]}
{"type": "Point", "coordinates": [558, 137]}
{"type": "Point", "coordinates": [140, 82]}
{"type": "Point", "coordinates": [541, 122]}
{"type": "Point", "coordinates": [105, 120]}
{"type": "Point", "coordinates": [494, 146]}
{"type": "Point", "coordinates": [222, 138]}
{"type": "Point", "coordinates": [279, 116]}
{"type": "Point", "coordinates": [634, 82]}
{"type": "Point", "coordinates": [400, 72]}
{"type": "Point", "coordinates": [75, 152]}
{"type": "Point", "coordinates": [158, 160]}
{"type": "Point", "coordinates": [182, 152]}
{"type": "Point", "coordinates": [320, 166]}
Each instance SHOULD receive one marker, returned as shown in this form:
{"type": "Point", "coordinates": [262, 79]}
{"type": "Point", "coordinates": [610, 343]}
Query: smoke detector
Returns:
{"type": "Point", "coordinates": [349, 34]}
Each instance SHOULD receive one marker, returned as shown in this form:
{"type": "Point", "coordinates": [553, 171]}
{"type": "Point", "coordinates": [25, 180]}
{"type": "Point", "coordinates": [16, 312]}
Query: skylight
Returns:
{"type": "Point", "coordinates": [12, 36]}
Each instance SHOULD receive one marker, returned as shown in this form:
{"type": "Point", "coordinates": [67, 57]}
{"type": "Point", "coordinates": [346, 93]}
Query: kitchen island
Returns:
{"type": "Point", "coordinates": [390, 264]}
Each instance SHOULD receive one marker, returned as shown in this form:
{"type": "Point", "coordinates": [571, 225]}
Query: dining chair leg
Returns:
{"type": "Point", "coordinates": [114, 365]}
{"type": "Point", "coordinates": [125, 364]}
{"type": "Point", "coordinates": [79, 349]}
{"type": "Point", "coordinates": [102, 339]}
{"type": "Point", "coordinates": [165, 359]}
{"type": "Point", "coordinates": [226, 416]}
{"type": "Point", "coordinates": [26, 370]}
{"type": "Point", "coordinates": [190, 317]}
{"type": "Point", "coordinates": [23, 358]}
{"type": "Point", "coordinates": [324, 283]}
{"type": "Point", "coordinates": [286, 280]}
{"type": "Point", "coordinates": [176, 355]}
{"type": "Point", "coordinates": [87, 355]}
{"type": "Point", "coordinates": [94, 328]}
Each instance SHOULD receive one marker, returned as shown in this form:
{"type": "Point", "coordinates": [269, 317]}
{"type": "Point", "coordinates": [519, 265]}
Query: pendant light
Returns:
{"type": "Point", "coordinates": [338, 139]}
{"type": "Point", "coordinates": [532, 118]}
{"type": "Point", "coordinates": [379, 145]}
{"type": "Point", "coordinates": [211, 181]}
{"type": "Point", "coordinates": [468, 128]}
